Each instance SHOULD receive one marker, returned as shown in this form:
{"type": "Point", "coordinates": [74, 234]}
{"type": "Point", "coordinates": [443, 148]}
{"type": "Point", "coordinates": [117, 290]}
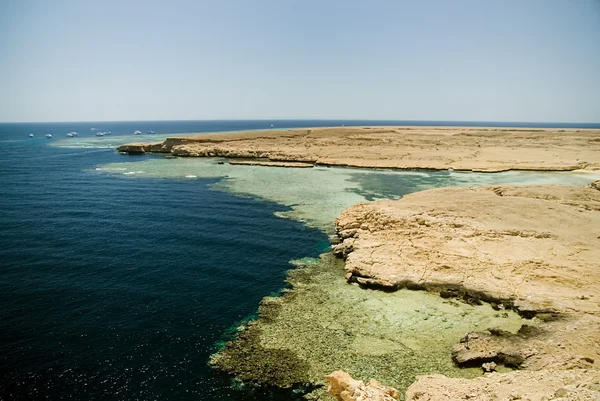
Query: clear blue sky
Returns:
{"type": "Point", "coordinates": [480, 60]}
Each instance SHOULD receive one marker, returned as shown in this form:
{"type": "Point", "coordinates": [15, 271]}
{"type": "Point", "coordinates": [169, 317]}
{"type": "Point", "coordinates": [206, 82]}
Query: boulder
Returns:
{"type": "Point", "coordinates": [344, 388]}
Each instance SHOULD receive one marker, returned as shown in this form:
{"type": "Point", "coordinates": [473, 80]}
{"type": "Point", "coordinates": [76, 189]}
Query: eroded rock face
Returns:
{"type": "Point", "coordinates": [132, 148]}
{"type": "Point", "coordinates": [343, 387]}
{"type": "Point", "coordinates": [535, 248]}
{"type": "Point", "coordinates": [141, 148]}
{"type": "Point", "coordinates": [563, 385]}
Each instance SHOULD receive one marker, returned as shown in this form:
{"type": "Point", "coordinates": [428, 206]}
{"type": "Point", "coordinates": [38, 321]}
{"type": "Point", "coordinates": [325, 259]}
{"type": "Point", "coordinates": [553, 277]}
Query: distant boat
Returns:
{"type": "Point", "coordinates": [93, 129]}
{"type": "Point", "coordinates": [150, 132]}
{"type": "Point", "coordinates": [271, 125]}
{"type": "Point", "coordinates": [48, 136]}
{"type": "Point", "coordinates": [137, 132]}
{"type": "Point", "coordinates": [99, 133]}
{"type": "Point", "coordinates": [31, 135]}
{"type": "Point", "coordinates": [72, 134]}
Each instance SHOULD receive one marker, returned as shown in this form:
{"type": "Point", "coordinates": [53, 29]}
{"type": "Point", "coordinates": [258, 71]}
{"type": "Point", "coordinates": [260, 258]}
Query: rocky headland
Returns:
{"type": "Point", "coordinates": [436, 148]}
{"type": "Point", "coordinates": [534, 250]}
{"type": "Point", "coordinates": [479, 257]}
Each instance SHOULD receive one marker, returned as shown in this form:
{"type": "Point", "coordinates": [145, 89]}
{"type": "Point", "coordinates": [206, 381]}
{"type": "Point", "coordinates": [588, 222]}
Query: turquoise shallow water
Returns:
{"type": "Point", "coordinates": [118, 286]}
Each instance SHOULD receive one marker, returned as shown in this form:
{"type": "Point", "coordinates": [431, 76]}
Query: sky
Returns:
{"type": "Point", "coordinates": [459, 60]}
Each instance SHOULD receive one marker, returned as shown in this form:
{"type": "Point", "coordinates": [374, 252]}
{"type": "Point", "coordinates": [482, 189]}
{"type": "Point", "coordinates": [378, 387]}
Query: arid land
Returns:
{"type": "Point", "coordinates": [437, 148]}
{"type": "Point", "coordinates": [531, 249]}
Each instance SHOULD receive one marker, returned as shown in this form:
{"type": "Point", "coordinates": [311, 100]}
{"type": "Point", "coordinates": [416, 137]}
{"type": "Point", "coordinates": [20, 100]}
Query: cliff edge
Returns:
{"type": "Point", "coordinates": [533, 249]}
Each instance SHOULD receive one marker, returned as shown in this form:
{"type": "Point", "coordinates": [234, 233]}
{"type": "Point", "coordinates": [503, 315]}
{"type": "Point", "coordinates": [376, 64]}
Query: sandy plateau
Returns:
{"type": "Point", "coordinates": [459, 148]}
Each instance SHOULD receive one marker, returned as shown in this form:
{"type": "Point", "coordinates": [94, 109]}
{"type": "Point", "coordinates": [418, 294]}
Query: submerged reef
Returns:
{"type": "Point", "coordinates": [322, 324]}
{"type": "Point", "coordinates": [515, 268]}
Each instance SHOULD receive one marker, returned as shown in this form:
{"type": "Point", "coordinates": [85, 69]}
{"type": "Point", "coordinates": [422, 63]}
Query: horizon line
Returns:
{"type": "Point", "coordinates": [305, 119]}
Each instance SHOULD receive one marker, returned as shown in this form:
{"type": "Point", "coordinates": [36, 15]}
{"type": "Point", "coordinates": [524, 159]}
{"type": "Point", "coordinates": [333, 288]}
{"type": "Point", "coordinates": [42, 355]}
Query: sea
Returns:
{"type": "Point", "coordinates": [119, 286]}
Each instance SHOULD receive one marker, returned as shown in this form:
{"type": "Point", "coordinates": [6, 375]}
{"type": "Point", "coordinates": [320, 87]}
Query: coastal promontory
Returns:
{"type": "Point", "coordinates": [458, 148]}
{"type": "Point", "coordinates": [442, 293]}
{"type": "Point", "coordinates": [531, 249]}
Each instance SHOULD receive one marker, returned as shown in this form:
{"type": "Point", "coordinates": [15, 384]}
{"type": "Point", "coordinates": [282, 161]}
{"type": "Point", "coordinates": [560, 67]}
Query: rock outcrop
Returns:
{"type": "Point", "coordinates": [558, 385]}
{"type": "Point", "coordinates": [458, 148]}
{"type": "Point", "coordinates": [344, 388]}
{"type": "Point", "coordinates": [141, 148]}
{"type": "Point", "coordinates": [535, 249]}
{"type": "Point", "coordinates": [569, 343]}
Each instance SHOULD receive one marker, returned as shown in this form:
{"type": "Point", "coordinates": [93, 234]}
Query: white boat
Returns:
{"type": "Point", "coordinates": [99, 133]}
{"type": "Point", "coordinates": [31, 135]}
{"type": "Point", "coordinates": [150, 132]}
{"type": "Point", "coordinates": [48, 135]}
{"type": "Point", "coordinates": [72, 134]}
{"type": "Point", "coordinates": [137, 132]}
{"type": "Point", "coordinates": [93, 129]}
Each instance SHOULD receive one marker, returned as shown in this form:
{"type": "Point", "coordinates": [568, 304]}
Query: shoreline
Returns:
{"type": "Point", "coordinates": [338, 325]}
{"type": "Point", "coordinates": [473, 149]}
{"type": "Point", "coordinates": [516, 232]}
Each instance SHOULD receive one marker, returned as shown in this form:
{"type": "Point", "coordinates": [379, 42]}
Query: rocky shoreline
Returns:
{"type": "Point", "coordinates": [462, 244]}
{"type": "Point", "coordinates": [514, 267]}
{"type": "Point", "coordinates": [322, 324]}
{"type": "Point", "coordinates": [431, 148]}
{"type": "Point", "coordinates": [531, 249]}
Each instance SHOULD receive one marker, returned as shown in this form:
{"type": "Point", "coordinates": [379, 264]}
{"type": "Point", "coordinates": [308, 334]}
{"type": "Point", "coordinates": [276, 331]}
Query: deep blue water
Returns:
{"type": "Point", "coordinates": [119, 289]}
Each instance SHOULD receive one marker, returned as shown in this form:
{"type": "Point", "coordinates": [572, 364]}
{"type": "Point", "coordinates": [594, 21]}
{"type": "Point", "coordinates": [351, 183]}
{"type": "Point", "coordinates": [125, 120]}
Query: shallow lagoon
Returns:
{"type": "Point", "coordinates": [318, 195]}
{"type": "Point", "coordinates": [334, 325]}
